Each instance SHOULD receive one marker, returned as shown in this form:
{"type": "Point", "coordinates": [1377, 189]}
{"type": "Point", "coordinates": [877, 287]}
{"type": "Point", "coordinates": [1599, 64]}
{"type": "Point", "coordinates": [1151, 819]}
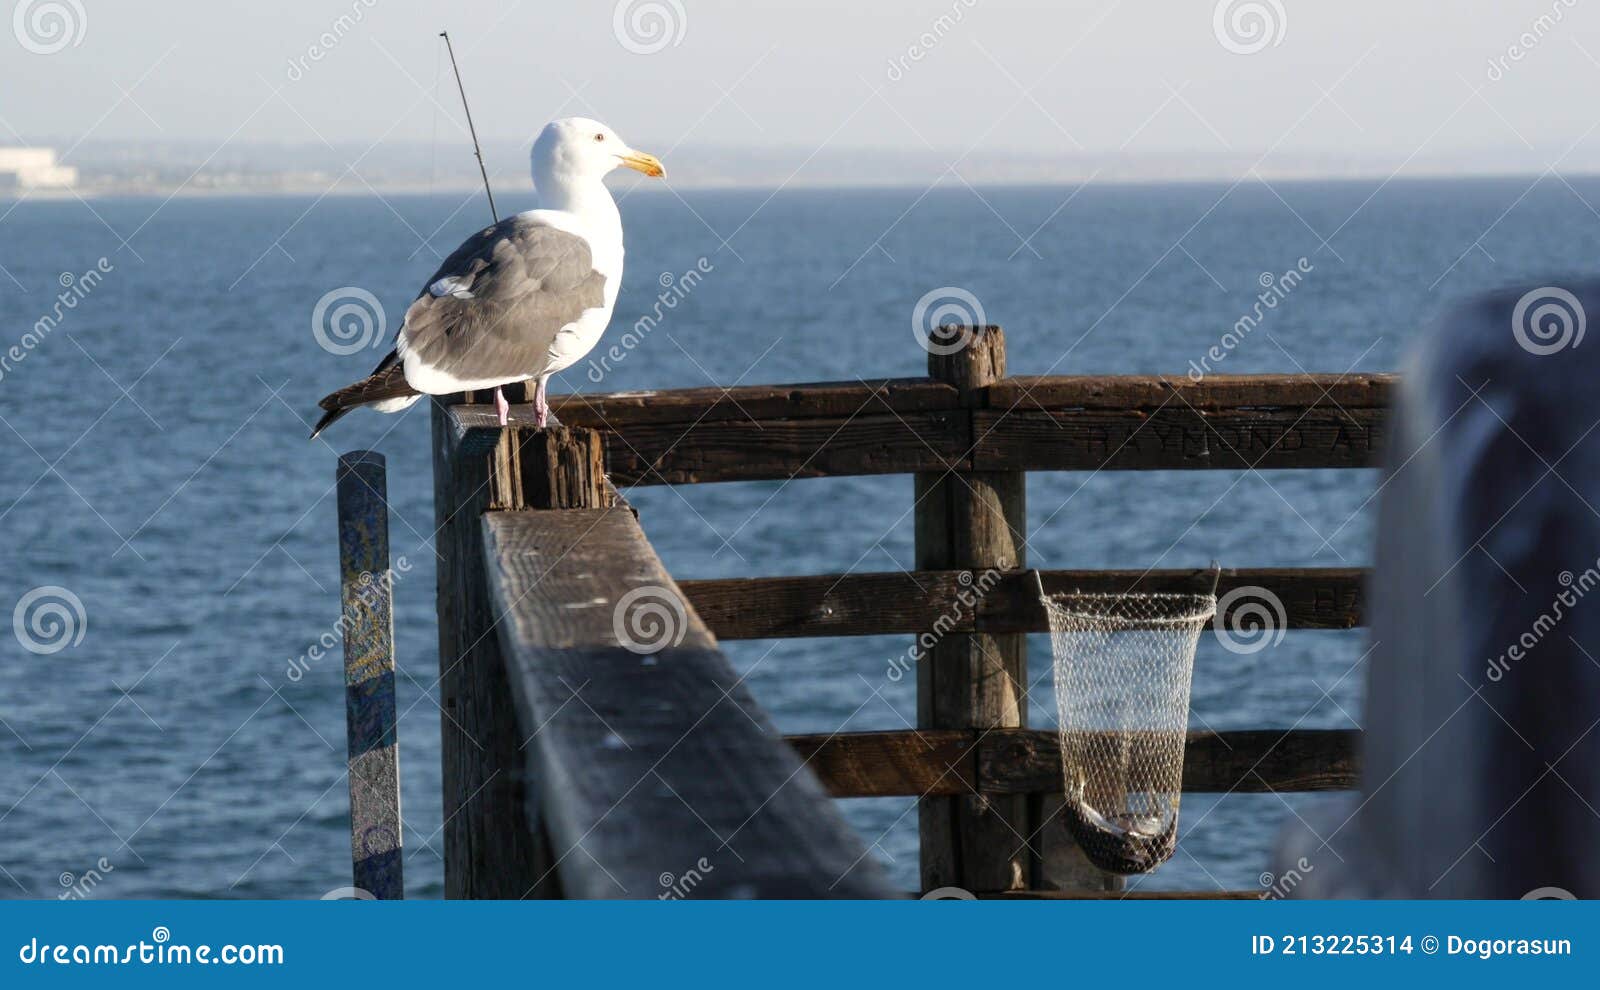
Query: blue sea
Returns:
{"type": "Point", "coordinates": [169, 533]}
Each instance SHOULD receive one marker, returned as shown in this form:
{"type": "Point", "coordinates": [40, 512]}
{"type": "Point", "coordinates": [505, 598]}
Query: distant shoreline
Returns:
{"type": "Point", "coordinates": [349, 189]}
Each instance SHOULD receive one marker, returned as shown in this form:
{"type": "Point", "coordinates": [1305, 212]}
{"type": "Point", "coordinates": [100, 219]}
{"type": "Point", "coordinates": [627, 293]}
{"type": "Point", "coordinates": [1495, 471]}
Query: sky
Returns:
{"type": "Point", "coordinates": [1457, 85]}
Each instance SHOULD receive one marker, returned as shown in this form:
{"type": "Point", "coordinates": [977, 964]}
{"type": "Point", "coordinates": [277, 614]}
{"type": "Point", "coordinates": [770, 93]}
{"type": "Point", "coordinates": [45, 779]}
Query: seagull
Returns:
{"type": "Point", "coordinates": [522, 299]}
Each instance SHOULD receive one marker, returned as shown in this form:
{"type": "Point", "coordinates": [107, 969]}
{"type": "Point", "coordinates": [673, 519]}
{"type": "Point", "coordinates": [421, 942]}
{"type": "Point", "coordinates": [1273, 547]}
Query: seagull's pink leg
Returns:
{"type": "Point", "coordinates": [541, 406]}
{"type": "Point", "coordinates": [501, 406]}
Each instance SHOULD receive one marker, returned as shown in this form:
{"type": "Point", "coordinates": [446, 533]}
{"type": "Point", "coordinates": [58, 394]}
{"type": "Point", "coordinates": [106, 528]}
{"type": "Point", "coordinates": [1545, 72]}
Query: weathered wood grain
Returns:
{"type": "Point", "coordinates": [974, 680]}
{"type": "Point", "coordinates": [675, 452]}
{"type": "Point", "coordinates": [561, 467]}
{"type": "Point", "coordinates": [491, 849]}
{"type": "Point", "coordinates": [870, 604]}
{"type": "Point", "coordinates": [654, 765]}
{"type": "Point", "coordinates": [906, 763]}
{"type": "Point", "coordinates": [779, 449]}
{"type": "Point", "coordinates": [1177, 438]}
{"type": "Point", "coordinates": [1124, 422]}
{"type": "Point", "coordinates": [1063, 392]}
{"type": "Point", "coordinates": [367, 618]}
{"type": "Point", "coordinates": [1018, 391]}
{"type": "Point", "coordinates": [891, 764]}
{"type": "Point", "coordinates": [614, 410]}
{"type": "Point", "coordinates": [1241, 761]}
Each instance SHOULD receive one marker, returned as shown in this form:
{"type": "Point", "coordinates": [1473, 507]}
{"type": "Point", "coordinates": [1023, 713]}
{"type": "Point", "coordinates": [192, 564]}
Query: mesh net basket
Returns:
{"type": "Point", "coordinates": [1123, 665]}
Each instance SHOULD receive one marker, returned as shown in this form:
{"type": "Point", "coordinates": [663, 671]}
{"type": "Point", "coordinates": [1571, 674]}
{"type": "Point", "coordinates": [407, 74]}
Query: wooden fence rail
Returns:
{"type": "Point", "coordinates": [922, 762]}
{"type": "Point", "coordinates": [904, 426]}
{"type": "Point", "coordinates": [578, 764]}
{"type": "Point", "coordinates": [895, 602]}
{"type": "Point", "coordinates": [649, 759]}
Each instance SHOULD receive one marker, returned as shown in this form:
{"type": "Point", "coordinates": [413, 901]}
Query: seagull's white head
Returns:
{"type": "Point", "coordinates": [575, 150]}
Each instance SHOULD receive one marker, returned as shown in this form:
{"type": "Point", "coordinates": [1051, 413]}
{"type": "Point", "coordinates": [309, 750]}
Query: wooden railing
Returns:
{"type": "Point", "coordinates": [905, 426]}
{"type": "Point", "coordinates": [575, 766]}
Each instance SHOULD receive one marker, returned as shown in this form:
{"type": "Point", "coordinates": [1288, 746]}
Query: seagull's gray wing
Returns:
{"type": "Point", "coordinates": [494, 306]}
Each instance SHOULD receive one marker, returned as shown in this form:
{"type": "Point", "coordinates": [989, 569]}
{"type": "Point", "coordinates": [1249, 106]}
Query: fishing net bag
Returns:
{"type": "Point", "coordinates": [1123, 665]}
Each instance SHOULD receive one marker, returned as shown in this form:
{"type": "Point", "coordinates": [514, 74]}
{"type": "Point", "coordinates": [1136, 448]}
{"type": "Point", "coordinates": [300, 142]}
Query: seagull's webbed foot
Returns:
{"type": "Point", "coordinates": [501, 406]}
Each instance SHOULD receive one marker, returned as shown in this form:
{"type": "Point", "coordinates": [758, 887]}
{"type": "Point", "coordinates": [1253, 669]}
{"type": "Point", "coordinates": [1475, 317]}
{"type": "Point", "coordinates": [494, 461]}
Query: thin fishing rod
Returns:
{"type": "Point", "coordinates": [470, 128]}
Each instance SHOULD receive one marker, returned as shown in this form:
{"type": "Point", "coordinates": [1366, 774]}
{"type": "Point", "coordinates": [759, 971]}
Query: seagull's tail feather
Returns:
{"type": "Point", "coordinates": [386, 389]}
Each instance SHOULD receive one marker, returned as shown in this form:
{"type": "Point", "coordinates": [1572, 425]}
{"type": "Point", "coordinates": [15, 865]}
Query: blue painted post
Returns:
{"type": "Point", "coordinates": [367, 620]}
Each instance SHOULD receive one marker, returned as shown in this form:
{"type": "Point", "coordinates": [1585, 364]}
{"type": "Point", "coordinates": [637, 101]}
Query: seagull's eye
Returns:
{"type": "Point", "coordinates": [599, 137]}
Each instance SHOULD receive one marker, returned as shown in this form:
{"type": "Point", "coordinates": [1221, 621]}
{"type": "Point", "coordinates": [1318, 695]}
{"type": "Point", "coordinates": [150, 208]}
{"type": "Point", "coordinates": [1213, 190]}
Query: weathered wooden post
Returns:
{"type": "Point", "coordinates": [492, 845]}
{"type": "Point", "coordinates": [367, 619]}
{"type": "Point", "coordinates": [488, 847]}
{"type": "Point", "coordinates": [973, 520]}
{"type": "Point", "coordinates": [560, 467]}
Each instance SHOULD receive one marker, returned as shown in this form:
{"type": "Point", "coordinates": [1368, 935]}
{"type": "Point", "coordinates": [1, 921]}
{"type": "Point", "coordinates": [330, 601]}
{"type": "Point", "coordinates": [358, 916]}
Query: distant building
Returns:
{"type": "Point", "coordinates": [34, 168]}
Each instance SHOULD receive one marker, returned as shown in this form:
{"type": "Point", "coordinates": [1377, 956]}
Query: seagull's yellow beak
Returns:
{"type": "Point", "coordinates": [640, 162]}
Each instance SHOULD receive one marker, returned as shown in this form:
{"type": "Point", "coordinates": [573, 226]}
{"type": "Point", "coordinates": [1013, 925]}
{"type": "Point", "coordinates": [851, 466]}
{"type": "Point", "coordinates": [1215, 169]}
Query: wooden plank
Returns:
{"type": "Point", "coordinates": [491, 849]}
{"type": "Point", "coordinates": [908, 763]}
{"type": "Point", "coordinates": [654, 764]}
{"type": "Point", "coordinates": [616, 410]}
{"type": "Point", "coordinates": [917, 425]}
{"type": "Point", "coordinates": [891, 764]}
{"type": "Point", "coordinates": [676, 452]}
{"type": "Point", "coordinates": [777, 450]}
{"type": "Point", "coordinates": [1177, 438]}
{"type": "Point", "coordinates": [1114, 392]}
{"type": "Point", "coordinates": [366, 596]}
{"type": "Point", "coordinates": [893, 602]}
{"type": "Point", "coordinates": [866, 604]}
{"type": "Point", "coordinates": [976, 680]}
{"type": "Point", "coordinates": [1241, 761]}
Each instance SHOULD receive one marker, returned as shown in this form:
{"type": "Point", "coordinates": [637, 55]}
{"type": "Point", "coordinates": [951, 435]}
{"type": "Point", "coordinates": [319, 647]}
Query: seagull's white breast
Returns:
{"type": "Point", "coordinates": [578, 338]}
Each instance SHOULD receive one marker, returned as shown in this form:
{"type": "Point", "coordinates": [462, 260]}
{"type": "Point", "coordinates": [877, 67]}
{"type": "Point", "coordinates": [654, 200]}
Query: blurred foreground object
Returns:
{"type": "Point", "coordinates": [1481, 755]}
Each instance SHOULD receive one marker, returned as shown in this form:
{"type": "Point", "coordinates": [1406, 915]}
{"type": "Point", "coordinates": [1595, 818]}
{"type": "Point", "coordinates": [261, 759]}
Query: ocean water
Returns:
{"type": "Point", "coordinates": [156, 481]}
